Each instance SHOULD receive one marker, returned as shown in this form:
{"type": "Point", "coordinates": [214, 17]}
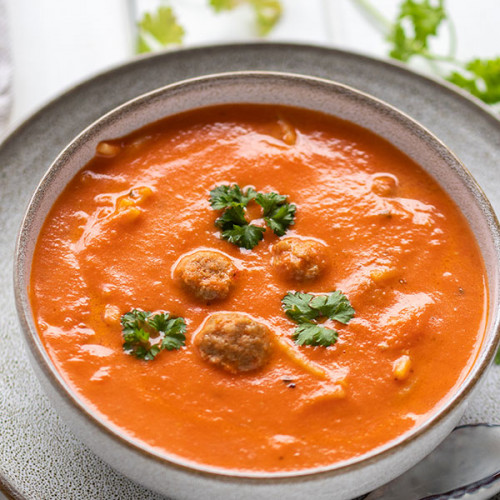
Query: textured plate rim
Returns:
{"type": "Point", "coordinates": [391, 64]}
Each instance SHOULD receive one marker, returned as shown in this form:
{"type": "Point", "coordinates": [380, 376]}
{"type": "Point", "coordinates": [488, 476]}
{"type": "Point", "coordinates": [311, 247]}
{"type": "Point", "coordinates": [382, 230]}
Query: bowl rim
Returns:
{"type": "Point", "coordinates": [484, 357]}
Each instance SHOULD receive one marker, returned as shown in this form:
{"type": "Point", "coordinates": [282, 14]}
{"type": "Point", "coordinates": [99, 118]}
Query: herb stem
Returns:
{"type": "Point", "coordinates": [452, 51]}
{"type": "Point", "coordinates": [378, 20]}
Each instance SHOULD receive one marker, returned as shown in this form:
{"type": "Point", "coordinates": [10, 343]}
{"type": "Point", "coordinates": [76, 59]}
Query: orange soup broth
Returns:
{"type": "Point", "coordinates": [407, 261]}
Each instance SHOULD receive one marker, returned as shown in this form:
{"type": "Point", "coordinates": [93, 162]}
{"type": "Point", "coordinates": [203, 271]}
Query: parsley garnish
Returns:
{"type": "Point", "coordinates": [481, 77]}
{"type": "Point", "coordinates": [416, 22]}
{"type": "Point", "coordinates": [247, 236]}
{"type": "Point", "coordinates": [267, 12]}
{"type": "Point", "coordinates": [278, 214]}
{"type": "Point", "coordinates": [138, 327]}
{"type": "Point", "coordinates": [158, 30]}
{"type": "Point", "coordinates": [308, 334]}
{"type": "Point", "coordinates": [229, 196]}
{"type": "Point", "coordinates": [304, 309]}
{"type": "Point", "coordinates": [409, 36]}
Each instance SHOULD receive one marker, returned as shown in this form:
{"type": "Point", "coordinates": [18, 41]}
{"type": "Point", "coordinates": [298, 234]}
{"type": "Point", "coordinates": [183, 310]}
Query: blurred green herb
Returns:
{"type": "Point", "coordinates": [159, 29]}
{"type": "Point", "coordinates": [481, 78]}
{"type": "Point", "coordinates": [267, 12]}
{"type": "Point", "coordinates": [411, 34]}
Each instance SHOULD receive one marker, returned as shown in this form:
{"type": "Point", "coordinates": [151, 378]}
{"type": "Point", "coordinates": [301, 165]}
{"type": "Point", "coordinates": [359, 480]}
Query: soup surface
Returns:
{"type": "Point", "coordinates": [393, 242]}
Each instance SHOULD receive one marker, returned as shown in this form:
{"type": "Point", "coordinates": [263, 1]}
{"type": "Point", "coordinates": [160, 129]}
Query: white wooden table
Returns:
{"type": "Point", "coordinates": [57, 43]}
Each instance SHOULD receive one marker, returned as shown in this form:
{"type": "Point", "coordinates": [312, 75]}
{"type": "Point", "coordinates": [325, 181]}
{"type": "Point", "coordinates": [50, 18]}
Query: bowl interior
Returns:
{"type": "Point", "coordinates": [270, 88]}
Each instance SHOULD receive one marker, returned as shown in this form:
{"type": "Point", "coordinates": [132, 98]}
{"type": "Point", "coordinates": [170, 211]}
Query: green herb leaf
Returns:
{"type": "Point", "coordinates": [236, 229]}
{"type": "Point", "coordinates": [228, 196]}
{"type": "Point", "coordinates": [497, 357]}
{"type": "Point", "coordinates": [305, 308]}
{"type": "Point", "coordinates": [281, 219]}
{"type": "Point", "coordinates": [335, 306]}
{"type": "Point", "coordinates": [220, 5]}
{"type": "Point", "coordinates": [267, 12]}
{"type": "Point", "coordinates": [416, 23]}
{"type": "Point", "coordinates": [481, 78]}
{"type": "Point", "coordinates": [297, 307]}
{"type": "Point", "coordinates": [247, 236]}
{"type": "Point", "coordinates": [231, 217]}
{"type": "Point", "coordinates": [278, 214]}
{"type": "Point", "coordinates": [316, 335]}
{"type": "Point", "coordinates": [158, 30]}
{"type": "Point", "coordinates": [138, 327]}
{"type": "Point", "coordinates": [270, 201]}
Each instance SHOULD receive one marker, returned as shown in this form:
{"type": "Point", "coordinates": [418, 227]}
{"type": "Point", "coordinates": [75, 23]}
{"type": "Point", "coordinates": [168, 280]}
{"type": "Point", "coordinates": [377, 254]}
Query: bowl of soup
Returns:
{"type": "Point", "coordinates": [257, 284]}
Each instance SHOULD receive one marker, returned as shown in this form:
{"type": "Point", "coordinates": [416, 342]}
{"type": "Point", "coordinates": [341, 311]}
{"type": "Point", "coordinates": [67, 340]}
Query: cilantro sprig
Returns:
{"type": "Point", "coordinates": [139, 326]}
{"type": "Point", "coordinates": [158, 30]}
{"type": "Point", "coordinates": [480, 77]}
{"type": "Point", "coordinates": [417, 23]}
{"type": "Point", "coordinates": [278, 214]}
{"type": "Point", "coordinates": [228, 196]}
{"type": "Point", "coordinates": [305, 309]}
{"type": "Point", "coordinates": [267, 12]}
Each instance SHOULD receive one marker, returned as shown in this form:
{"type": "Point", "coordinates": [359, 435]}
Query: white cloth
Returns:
{"type": "Point", "coordinates": [5, 70]}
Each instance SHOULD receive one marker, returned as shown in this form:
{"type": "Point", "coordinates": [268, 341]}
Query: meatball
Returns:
{"type": "Point", "coordinates": [234, 342]}
{"type": "Point", "coordinates": [208, 275]}
{"type": "Point", "coordinates": [299, 259]}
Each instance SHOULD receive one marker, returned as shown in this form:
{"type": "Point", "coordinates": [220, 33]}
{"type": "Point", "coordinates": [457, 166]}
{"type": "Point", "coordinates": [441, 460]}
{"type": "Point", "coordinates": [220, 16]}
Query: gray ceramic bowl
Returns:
{"type": "Point", "coordinates": [171, 475]}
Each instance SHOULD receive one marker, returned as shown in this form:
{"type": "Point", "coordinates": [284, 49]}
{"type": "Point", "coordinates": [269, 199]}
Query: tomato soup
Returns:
{"type": "Point", "coordinates": [392, 242]}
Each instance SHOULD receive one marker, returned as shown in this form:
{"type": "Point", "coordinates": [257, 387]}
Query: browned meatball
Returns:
{"type": "Point", "coordinates": [299, 259]}
{"type": "Point", "coordinates": [235, 342]}
{"type": "Point", "coordinates": [206, 274]}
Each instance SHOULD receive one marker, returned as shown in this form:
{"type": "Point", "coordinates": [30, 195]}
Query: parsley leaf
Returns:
{"type": "Point", "coordinates": [247, 236]}
{"type": "Point", "coordinates": [497, 357]}
{"type": "Point", "coordinates": [236, 229]}
{"type": "Point", "coordinates": [304, 308]}
{"type": "Point", "coordinates": [138, 327]}
{"type": "Point", "coordinates": [278, 214]}
{"type": "Point", "coordinates": [267, 12]}
{"type": "Point", "coordinates": [309, 334]}
{"type": "Point", "coordinates": [157, 30]}
{"type": "Point", "coordinates": [228, 196]}
{"type": "Point", "coordinates": [231, 217]}
{"type": "Point", "coordinates": [220, 5]}
{"type": "Point", "coordinates": [270, 201]}
{"type": "Point", "coordinates": [481, 78]}
{"type": "Point", "coordinates": [423, 19]}
{"type": "Point", "coordinates": [281, 219]}
{"type": "Point", "coordinates": [297, 307]}
{"type": "Point", "coordinates": [335, 306]}
{"type": "Point", "coordinates": [410, 35]}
